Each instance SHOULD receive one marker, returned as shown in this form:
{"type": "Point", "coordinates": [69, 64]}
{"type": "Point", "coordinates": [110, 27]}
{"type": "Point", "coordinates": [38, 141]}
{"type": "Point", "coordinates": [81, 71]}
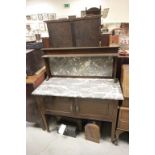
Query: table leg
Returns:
{"type": "Point", "coordinates": [114, 120]}
{"type": "Point", "coordinates": [40, 106]}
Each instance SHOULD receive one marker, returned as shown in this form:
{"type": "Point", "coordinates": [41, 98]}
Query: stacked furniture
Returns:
{"type": "Point", "coordinates": [85, 90]}
{"type": "Point", "coordinates": [35, 74]}
{"type": "Point", "coordinates": [34, 45]}
{"type": "Point", "coordinates": [34, 61]}
{"type": "Point", "coordinates": [123, 117]}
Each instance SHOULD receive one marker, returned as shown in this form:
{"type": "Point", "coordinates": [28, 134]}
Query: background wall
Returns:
{"type": "Point", "coordinates": [119, 9]}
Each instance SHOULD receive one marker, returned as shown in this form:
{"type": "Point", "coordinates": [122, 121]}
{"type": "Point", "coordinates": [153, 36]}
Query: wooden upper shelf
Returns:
{"type": "Point", "coordinates": [79, 48]}
{"type": "Point", "coordinates": [82, 51]}
{"type": "Point", "coordinates": [79, 55]}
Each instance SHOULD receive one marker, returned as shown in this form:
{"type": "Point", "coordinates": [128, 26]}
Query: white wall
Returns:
{"type": "Point", "coordinates": [119, 9]}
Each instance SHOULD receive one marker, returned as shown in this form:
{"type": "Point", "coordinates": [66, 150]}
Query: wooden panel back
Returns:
{"type": "Point", "coordinates": [78, 32]}
{"type": "Point", "coordinates": [87, 32]}
{"type": "Point", "coordinates": [60, 34]}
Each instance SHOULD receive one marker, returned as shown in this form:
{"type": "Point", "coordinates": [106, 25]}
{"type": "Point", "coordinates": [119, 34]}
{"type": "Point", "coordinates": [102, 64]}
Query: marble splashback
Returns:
{"type": "Point", "coordinates": [82, 66]}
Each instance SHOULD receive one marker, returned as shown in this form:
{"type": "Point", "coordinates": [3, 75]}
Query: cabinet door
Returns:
{"type": "Point", "coordinates": [123, 120]}
{"type": "Point", "coordinates": [59, 105]}
{"type": "Point", "coordinates": [96, 108]}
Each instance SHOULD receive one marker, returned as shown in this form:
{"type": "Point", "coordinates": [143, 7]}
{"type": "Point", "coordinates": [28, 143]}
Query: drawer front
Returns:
{"type": "Point", "coordinates": [96, 108]}
{"type": "Point", "coordinates": [123, 120]}
{"type": "Point", "coordinates": [59, 105]}
{"type": "Point", "coordinates": [125, 103]}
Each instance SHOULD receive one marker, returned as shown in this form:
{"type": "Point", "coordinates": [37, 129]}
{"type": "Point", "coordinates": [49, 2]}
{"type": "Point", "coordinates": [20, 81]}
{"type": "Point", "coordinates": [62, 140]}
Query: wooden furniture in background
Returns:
{"type": "Point", "coordinates": [125, 80]}
{"type": "Point", "coordinates": [114, 39]}
{"type": "Point", "coordinates": [123, 117]}
{"type": "Point", "coordinates": [34, 61]}
{"type": "Point", "coordinates": [121, 60]}
{"type": "Point", "coordinates": [105, 39]}
{"type": "Point", "coordinates": [46, 43]}
{"type": "Point", "coordinates": [32, 82]}
{"type": "Point", "coordinates": [123, 121]}
{"type": "Point", "coordinates": [34, 45]}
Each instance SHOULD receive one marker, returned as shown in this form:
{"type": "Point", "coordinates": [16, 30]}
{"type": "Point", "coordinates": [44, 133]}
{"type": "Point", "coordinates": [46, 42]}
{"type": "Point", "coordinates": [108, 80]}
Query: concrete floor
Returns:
{"type": "Point", "coordinates": [39, 142]}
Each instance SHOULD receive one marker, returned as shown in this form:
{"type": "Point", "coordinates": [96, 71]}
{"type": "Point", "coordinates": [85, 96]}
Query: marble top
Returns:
{"type": "Point", "coordinates": [80, 87]}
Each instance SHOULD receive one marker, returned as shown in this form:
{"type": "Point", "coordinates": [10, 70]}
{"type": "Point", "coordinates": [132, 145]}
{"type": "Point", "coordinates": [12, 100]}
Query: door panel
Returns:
{"type": "Point", "coordinates": [96, 107]}
{"type": "Point", "coordinates": [59, 104]}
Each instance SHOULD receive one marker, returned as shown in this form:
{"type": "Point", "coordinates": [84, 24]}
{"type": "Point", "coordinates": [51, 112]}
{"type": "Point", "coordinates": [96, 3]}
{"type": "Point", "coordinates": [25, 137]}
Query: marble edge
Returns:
{"type": "Point", "coordinates": [118, 98]}
{"type": "Point", "coordinates": [121, 98]}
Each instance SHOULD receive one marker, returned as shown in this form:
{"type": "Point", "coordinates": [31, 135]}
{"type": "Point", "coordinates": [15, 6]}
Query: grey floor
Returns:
{"type": "Point", "coordinates": [39, 142]}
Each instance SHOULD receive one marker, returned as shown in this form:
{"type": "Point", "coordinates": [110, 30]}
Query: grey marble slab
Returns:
{"type": "Point", "coordinates": [82, 66]}
{"type": "Point", "coordinates": [80, 87]}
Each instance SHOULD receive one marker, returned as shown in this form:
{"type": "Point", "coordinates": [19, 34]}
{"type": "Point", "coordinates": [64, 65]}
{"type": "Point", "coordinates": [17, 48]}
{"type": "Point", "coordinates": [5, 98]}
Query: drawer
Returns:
{"type": "Point", "coordinates": [123, 119]}
{"type": "Point", "coordinates": [125, 103]}
{"type": "Point", "coordinates": [59, 105]}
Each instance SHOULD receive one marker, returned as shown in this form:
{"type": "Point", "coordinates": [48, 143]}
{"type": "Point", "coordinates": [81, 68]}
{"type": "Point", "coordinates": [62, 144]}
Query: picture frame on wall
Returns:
{"type": "Point", "coordinates": [42, 27]}
{"type": "Point", "coordinates": [45, 16]}
{"type": "Point", "coordinates": [51, 16]}
{"type": "Point", "coordinates": [83, 13]}
{"type": "Point", "coordinates": [28, 27]}
{"type": "Point", "coordinates": [40, 17]}
{"type": "Point", "coordinates": [28, 17]}
{"type": "Point", "coordinates": [34, 17]}
{"type": "Point", "coordinates": [105, 12]}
